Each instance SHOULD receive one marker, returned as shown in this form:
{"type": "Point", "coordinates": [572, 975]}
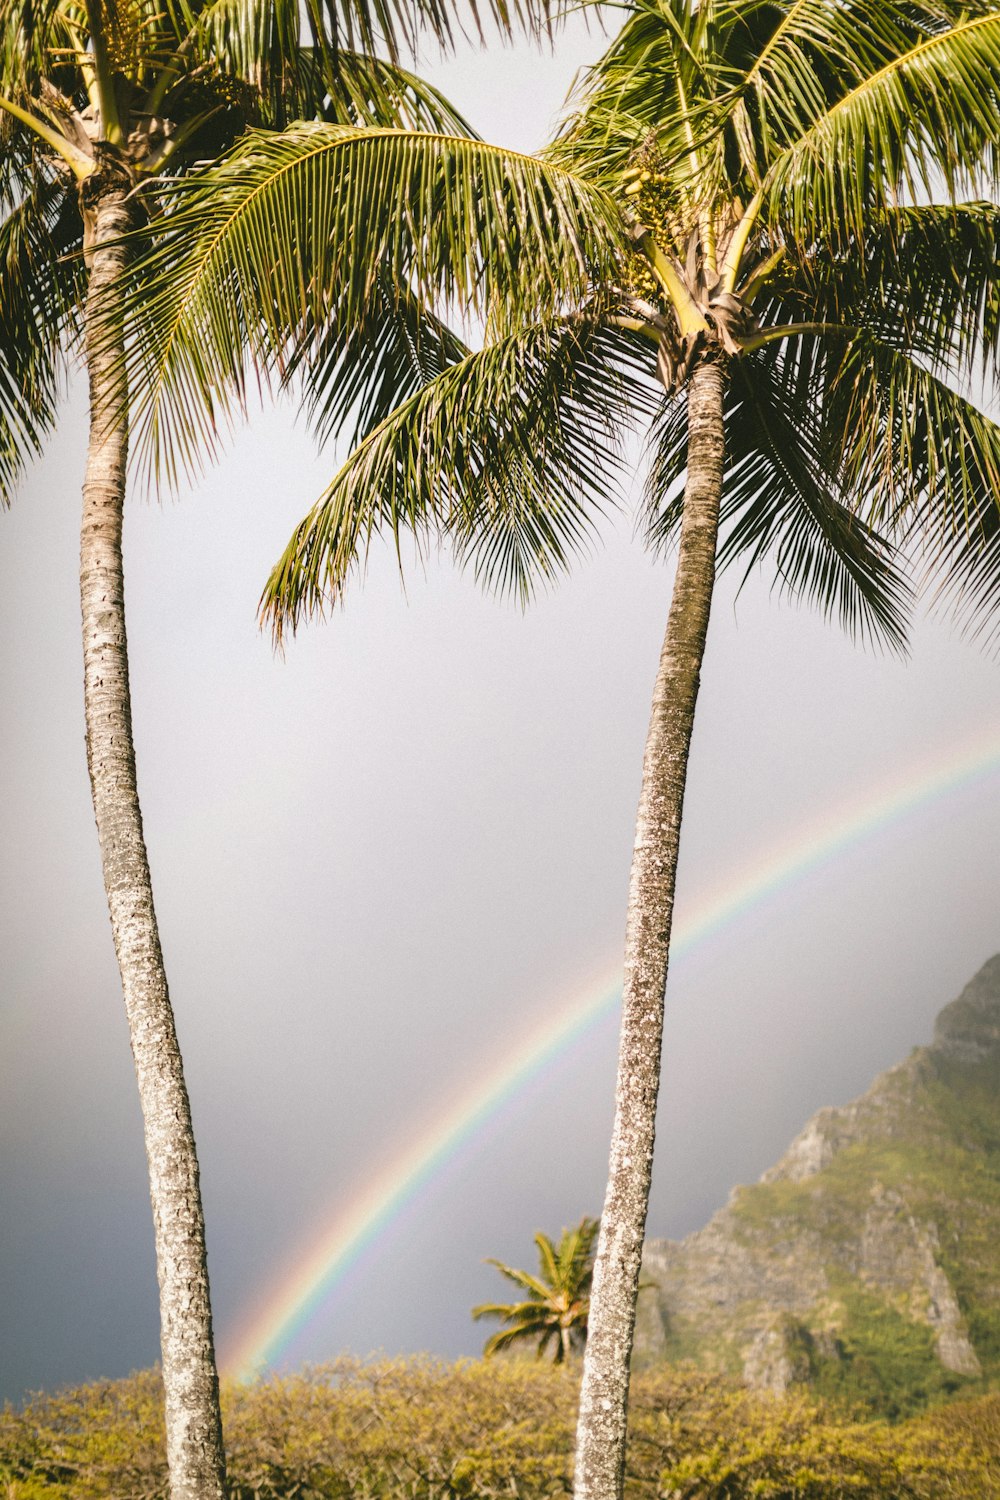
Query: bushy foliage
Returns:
{"type": "Point", "coordinates": [421, 1430]}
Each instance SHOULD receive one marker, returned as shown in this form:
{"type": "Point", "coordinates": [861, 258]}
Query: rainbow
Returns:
{"type": "Point", "coordinates": [356, 1225]}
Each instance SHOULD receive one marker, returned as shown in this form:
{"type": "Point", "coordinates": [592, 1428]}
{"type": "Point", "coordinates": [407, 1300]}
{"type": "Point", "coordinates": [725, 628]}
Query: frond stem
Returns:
{"type": "Point", "coordinates": [79, 163]}
{"type": "Point", "coordinates": [738, 243]}
{"type": "Point", "coordinates": [104, 77]}
{"type": "Point", "coordinates": [791, 330]}
{"type": "Point", "coordinates": [689, 315]}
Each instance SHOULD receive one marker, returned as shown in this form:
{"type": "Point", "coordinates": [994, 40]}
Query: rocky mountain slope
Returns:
{"type": "Point", "coordinates": [867, 1261]}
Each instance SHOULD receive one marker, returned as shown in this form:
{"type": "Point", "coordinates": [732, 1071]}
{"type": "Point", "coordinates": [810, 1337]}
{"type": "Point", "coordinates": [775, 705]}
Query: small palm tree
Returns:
{"type": "Point", "coordinates": [555, 1312]}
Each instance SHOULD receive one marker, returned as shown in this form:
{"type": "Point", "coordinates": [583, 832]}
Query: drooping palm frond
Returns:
{"type": "Point", "coordinates": [353, 379]}
{"type": "Point", "coordinates": [512, 453]}
{"type": "Point", "coordinates": [368, 91]}
{"type": "Point", "coordinates": [926, 460]}
{"type": "Point", "coordinates": [924, 277]}
{"type": "Point", "coordinates": [783, 502]}
{"type": "Point", "coordinates": [263, 250]}
{"type": "Point", "coordinates": [41, 280]}
{"type": "Point", "coordinates": [782, 498]}
{"type": "Point", "coordinates": [246, 30]}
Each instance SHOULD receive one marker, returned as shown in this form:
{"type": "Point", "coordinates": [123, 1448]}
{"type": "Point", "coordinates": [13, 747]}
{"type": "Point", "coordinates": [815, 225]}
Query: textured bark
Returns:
{"type": "Point", "coordinates": [600, 1444]}
{"type": "Point", "coordinates": [191, 1386]}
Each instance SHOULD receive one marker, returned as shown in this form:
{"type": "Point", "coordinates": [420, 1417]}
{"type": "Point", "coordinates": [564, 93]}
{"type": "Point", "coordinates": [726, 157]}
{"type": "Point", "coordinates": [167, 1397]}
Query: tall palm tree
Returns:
{"type": "Point", "coordinates": [555, 1310]}
{"type": "Point", "coordinates": [796, 287]}
{"type": "Point", "coordinates": [102, 102]}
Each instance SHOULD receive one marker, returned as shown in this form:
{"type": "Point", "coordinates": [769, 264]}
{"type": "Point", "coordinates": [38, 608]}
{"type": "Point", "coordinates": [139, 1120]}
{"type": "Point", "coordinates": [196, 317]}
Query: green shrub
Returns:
{"type": "Point", "coordinates": [420, 1429]}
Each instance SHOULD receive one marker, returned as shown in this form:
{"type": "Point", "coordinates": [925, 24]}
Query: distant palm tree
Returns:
{"type": "Point", "coordinates": [558, 1297]}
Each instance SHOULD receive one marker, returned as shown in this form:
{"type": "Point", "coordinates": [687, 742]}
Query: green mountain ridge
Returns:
{"type": "Point", "coordinates": [866, 1262]}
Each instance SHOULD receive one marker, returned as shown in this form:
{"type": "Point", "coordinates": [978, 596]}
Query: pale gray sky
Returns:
{"type": "Point", "coordinates": [380, 860]}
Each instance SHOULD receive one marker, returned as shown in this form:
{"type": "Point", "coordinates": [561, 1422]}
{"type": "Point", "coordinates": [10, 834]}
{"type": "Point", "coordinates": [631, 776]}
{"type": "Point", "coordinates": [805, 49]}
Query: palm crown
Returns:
{"type": "Point", "coordinates": [756, 178]}
{"type": "Point", "coordinates": [555, 1310]}
{"type": "Point", "coordinates": [144, 90]}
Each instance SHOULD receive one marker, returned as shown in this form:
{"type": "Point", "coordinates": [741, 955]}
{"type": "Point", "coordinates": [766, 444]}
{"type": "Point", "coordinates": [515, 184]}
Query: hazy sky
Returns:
{"type": "Point", "coordinates": [382, 860]}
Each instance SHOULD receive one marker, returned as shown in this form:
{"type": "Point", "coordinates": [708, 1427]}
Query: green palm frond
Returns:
{"type": "Point", "coordinates": [923, 276]}
{"type": "Point", "coordinates": [41, 282]}
{"type": "Point", "coordinates": [512, 453]}
{"type": "Point", "coordinates": [351, 380]}
{"type": "Point", "coordinates": [548, 1259]}
{"type": "Point", "coordinates": [781, 500]}
{"type": "Point", "coordinates": [659, 81]}
{"type": "Point", "coordinates": [782, 495]}
{"type": "Point", "coordinates": [532, 1284]}
{"type": "Point", "coordinates": [927, 461]}
{"type": "Point", "coordinates": [265, 33]}
{"type": "Point", "coordinates": [920, 106]}
{"type": "Point", "coordinates": [962, 562]}
{"type": "Point", "coordinates": [505, 1337]}
{"type": "Point", "coordinates": [368, 91]}
{"type": "Point", "coordinates": [262, 251]}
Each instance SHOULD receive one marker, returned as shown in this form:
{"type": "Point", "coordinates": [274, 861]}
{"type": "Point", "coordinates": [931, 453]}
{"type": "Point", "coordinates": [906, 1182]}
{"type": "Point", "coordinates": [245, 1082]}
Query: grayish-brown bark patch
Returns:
{"type": "Point", "coordinates": [600, 1450]}
{"type": "Point", "coordinates": [193, 1425]}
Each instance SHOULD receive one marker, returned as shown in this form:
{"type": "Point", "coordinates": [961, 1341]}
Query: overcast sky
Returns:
{"type": "Point", "coordinates": [381, 860]}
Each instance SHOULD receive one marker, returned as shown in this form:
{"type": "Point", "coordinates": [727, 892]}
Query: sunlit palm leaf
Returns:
{"type": "Point", "coordinates": [916, 114]}
{"type": "Point", "coordinates": [263, 251]}
{"type": "Point", "coordinates": [513, 453]}
{"type": "Point", "coordinates": [41, 277]}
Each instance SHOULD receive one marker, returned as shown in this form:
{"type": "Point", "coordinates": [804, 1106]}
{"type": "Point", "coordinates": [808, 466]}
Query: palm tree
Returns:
{"type": "Point", "coordinates": [555, 1310]}
{"type": "Point", "coordinates": [798, 283]}
{"type": "Point", "coordinates": [100, 102]}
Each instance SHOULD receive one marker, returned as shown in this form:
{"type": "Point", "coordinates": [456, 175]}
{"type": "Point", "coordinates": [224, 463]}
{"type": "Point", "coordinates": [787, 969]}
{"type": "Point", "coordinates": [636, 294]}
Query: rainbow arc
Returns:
{"type": "Point", "coordinates": [354, 1227]}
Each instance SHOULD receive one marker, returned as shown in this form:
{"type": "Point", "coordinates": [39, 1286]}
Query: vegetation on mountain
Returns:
{"type": "Point", "coordinates": [420, 1430]}
{"type": "Point", "coordinates": [864, 1263]}
{"type": "Point", "coordinates": [555, 1311]}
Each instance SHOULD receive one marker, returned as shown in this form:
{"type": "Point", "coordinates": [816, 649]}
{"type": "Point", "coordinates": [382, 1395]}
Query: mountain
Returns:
{"type": "Point", "coordinates": [866, 1262]}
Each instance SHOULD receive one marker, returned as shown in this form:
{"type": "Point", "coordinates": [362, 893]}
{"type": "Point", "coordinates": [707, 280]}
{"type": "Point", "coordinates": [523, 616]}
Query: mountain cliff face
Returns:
{"type": "Point", "coordinates": [866, 1262]}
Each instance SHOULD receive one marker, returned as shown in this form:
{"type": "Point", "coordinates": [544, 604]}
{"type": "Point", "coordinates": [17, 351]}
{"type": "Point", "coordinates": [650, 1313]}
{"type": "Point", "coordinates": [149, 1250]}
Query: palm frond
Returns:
{"type": "Point", "coordinates": [504, 1337]}
{"type": "Point", "coordinates": [547, 1258]}
{"type": "Point", "coordinates": [353, 379]}
{"type": "Point", "coordinates": [41, 283]}
{"type": "Point", "coordinates": [926, 461]}
{"type": "Point", "coordinates": [368, 91]}
{"type": "Point", "coordinates": [262, 32]}
{"type": "Point", "coordinates": [511, 453]}
{"type": "Point", "coordinates": [782, 498]}
{"type": "Point", "coordinates": [922, 277]}
{"type": "Point", "coordinates": [291, 233]}
{"type": "Point", "coordinates": [902, 97]}
{"type": "Point", "coordinates": [531, 1284]}
{"type": "Point", "coordinates": [656, 84]}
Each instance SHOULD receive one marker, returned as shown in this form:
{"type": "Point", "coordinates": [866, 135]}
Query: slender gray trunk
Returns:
{"type": "Point", "coordinates": [191, 1386]}
{"type": "Point", "coordinates": [600, 1442]}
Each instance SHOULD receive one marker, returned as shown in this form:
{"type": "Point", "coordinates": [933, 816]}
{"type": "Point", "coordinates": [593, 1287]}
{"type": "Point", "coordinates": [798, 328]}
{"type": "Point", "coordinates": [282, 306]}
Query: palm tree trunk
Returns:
{"type": "Point", "coordinates": [600, 1443]}
{"type": "Point", "coordinates": [191, 1385]}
